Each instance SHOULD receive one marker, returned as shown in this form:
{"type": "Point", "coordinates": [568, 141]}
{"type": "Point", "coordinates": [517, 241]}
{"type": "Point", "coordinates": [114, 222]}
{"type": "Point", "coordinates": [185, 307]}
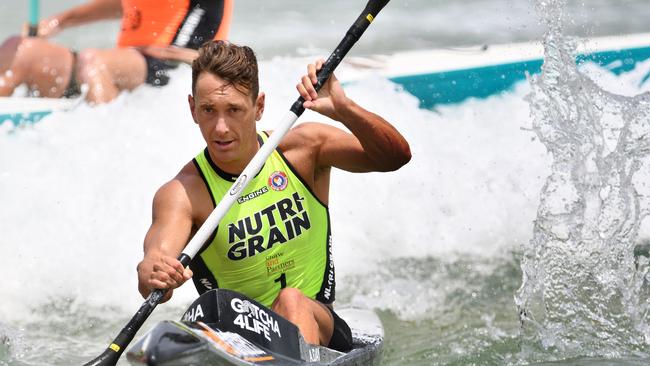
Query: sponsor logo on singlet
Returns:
{"type": "Point", "coordinates": [276, 264]}
{"type": "Point", "coordinates": [278, 181]}
{"type": "Point", "coordinates": [286, 220]}
{"type": "Point", "coordinates": [252, 195]}
{"type": "Point", "coordinates": [329, 287]}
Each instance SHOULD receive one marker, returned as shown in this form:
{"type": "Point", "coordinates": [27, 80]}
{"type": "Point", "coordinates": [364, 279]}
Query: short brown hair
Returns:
{"type": "Point", "coordinates": [233, 63]}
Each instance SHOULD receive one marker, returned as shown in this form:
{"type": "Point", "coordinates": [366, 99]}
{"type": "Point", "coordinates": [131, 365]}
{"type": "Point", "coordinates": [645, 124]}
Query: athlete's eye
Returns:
{"type": "Point", "coordinates": [208, 109]}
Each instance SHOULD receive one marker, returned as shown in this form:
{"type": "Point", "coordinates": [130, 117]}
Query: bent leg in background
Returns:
{"type": "Point", "coordinates": [108, 72]}
{"type": "Point", "coordinates": [43, 66]}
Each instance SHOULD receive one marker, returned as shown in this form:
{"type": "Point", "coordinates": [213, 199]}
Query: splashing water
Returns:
{"type": "Point", "coordinates": [584, 293]}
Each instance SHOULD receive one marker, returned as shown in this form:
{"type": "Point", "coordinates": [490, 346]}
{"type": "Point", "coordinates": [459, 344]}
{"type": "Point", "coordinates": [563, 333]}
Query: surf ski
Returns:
{"type": "Point", "coordinates": [26, 110]}
{"type": "Point", "coordinates": [226, 328]}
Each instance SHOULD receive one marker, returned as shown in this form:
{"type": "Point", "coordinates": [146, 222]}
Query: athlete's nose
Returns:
{"type": "Point", "coordinates": [221, 127]}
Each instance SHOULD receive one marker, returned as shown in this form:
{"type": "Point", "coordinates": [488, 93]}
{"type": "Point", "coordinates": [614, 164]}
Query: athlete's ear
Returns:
{"type": "Point", "coordinates": [259, 106]}
{"type": "Point", "coordinates": [190, 100]}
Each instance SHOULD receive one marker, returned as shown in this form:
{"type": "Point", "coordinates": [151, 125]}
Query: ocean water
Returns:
{"type": "Point", "coordinates": [437, 248]}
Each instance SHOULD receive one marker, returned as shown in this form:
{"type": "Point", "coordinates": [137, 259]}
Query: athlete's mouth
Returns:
{"type": "Point", "coordinates": [224, 143]}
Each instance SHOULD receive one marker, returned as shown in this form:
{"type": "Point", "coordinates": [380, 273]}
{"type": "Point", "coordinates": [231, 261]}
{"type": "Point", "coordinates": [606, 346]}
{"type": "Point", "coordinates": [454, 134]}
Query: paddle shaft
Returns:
{"type": "Point", "coordinates": [114, 351]}
{"type": "Point", "coordinates": [33, 17]}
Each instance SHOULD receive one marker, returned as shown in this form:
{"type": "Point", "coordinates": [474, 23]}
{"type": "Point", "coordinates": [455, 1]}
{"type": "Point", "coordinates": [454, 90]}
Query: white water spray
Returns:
{"type": "Point", "coordinates": [584, 293]}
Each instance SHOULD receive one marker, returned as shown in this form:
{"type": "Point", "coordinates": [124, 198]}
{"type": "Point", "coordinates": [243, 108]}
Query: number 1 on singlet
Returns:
{"type": "Point", "coordinates": [282, 279]}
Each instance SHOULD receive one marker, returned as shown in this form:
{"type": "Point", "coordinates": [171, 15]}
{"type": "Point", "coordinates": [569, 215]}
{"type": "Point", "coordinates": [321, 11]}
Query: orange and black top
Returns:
{"type": "Point", "coordinates": [182, 23]}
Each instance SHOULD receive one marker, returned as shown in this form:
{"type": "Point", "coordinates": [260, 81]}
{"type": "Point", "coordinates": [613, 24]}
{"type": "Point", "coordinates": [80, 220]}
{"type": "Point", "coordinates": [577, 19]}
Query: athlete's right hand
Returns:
{"type": "Point", "coordinates": [330, 100]}
{"type": "Point", "coordinates": [163, 272]}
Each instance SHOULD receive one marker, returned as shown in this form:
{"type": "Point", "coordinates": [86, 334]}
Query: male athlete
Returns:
{"type": "Point", "coordinates": [155, 36]}
{"type": "Point", "coordinates": [274, 243]}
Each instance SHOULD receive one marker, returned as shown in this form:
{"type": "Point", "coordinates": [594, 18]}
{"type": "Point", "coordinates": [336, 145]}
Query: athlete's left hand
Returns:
{"type": "Point", "coordinates": [330, 101]}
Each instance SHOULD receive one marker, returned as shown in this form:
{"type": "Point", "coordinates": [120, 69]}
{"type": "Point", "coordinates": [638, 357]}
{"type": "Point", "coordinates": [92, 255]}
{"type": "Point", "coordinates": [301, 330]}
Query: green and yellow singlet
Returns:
{"type": "Point", "coordinates": [276, 235]}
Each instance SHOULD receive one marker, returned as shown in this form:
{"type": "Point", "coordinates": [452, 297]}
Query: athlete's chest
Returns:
{"type": "Point", "coordinates": [256, 228]}
{"type": "Point", "coordinates": [304, 163]}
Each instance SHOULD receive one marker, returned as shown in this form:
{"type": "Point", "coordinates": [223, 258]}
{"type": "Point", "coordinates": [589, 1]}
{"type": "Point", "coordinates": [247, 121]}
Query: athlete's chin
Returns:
{"type": "Point", "coordinates": [224, 156]}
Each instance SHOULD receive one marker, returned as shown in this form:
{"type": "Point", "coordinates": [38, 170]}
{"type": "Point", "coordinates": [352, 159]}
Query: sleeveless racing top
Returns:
{"type": "Point", "coordinates": [276, 235]}
{"type": "Point", "coordinates": [182, 23]}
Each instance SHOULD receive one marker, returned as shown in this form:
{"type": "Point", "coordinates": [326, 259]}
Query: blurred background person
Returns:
{"type": "Point", "coordinates": [155, 36]}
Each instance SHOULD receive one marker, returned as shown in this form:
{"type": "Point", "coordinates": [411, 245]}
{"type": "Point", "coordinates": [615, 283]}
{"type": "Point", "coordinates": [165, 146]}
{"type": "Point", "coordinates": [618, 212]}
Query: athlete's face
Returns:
{"type": "Point", "coordinates": [227, 118]}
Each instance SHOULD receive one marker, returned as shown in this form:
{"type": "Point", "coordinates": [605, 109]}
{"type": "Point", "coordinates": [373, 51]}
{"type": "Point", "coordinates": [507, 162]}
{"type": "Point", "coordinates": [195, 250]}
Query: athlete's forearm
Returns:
{"type": "Point", "coordinates": [163, 243]}
{"type": "Point", "coordinates": [382, 143]}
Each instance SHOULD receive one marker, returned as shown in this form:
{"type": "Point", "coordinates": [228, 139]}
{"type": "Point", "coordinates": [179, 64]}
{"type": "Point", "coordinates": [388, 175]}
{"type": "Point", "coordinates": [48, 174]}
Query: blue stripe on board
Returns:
{"type": "Point", "coordinates": [481, 82]}
{"type": "Point", "coordinates": [617, 62]}
{"type": "Point", "coordinates": [455, 86]}
{"type": "Point", "coordinates": [23, 118]}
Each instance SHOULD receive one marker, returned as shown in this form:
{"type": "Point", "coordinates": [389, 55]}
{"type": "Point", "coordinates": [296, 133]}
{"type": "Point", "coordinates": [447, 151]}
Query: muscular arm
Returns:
{"type": "Point", "coordinates": [374, 145]}
{"type": "Point", "coordinates": [169, 232]}
{"type": "Point", "coordinates": [91, 11]}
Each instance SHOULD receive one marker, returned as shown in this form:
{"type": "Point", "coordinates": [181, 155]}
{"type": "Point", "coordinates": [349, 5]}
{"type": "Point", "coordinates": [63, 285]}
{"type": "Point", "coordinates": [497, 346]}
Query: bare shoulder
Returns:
{"type": "Point", "coordinates": [182, 183]}
{"type": "Point", "coordinates": [184, 194]}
